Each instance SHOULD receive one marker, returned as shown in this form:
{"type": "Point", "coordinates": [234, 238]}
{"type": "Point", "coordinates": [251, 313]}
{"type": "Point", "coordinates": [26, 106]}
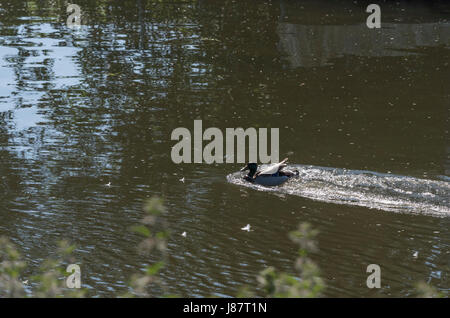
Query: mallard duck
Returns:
{"type": "Point", "coordinates": [271, 176]}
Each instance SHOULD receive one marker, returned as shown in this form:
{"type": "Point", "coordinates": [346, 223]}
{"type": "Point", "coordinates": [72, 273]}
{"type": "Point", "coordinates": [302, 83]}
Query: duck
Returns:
{"type": "Point", "coordinates": [273, 175]}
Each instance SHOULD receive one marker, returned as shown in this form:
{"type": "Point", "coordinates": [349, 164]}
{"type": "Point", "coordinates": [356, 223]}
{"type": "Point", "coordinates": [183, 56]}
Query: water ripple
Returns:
{"type": "Point", "coordinates": [369, 189]}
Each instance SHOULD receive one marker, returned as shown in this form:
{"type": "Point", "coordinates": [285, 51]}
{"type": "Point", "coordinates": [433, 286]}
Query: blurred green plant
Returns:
{"type": "Point", "coordinates": [282, 285]}
{"type": "Point", "coordinates": [425, 290]}
{"type": "Point", "coordinates": [51, 282]}
{"type": "Point", "coordinates": [153, 242]}
{"type": "Point", "coordinates": [47, 283]}
{"type": "Point", "coordinates": [10, 268]}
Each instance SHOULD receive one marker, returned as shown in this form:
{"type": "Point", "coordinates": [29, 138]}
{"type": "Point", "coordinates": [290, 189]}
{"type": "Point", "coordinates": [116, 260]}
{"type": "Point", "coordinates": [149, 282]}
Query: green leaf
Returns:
{"type": "Point", "coordinates": [142, 230]}
{"type": "Point", "coordinates": [154, 206]}
{"type": "Point", "coordinates": [154, 269]}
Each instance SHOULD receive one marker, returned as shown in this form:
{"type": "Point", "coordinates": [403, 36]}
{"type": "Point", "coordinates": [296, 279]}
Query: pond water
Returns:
{"type": "Point", "coordinates": [86, 116]}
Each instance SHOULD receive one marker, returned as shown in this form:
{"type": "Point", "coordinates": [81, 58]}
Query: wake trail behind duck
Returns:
{"type": "Point", "coordinates": [369, 189]}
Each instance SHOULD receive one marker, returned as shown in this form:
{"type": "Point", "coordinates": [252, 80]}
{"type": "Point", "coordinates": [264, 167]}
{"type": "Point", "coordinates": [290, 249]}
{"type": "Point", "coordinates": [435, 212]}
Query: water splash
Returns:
{"type": "Point", "coordinates": [369, 189]}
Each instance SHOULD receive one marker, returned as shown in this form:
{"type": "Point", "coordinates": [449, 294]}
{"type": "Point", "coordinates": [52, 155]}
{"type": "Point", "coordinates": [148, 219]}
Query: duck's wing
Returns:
{"type": "Point", "coordinates": [273, 168]}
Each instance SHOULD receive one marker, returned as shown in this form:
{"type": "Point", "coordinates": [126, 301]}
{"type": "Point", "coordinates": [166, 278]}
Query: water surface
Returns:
{"type": "Point", "coordinates": [364, 114]}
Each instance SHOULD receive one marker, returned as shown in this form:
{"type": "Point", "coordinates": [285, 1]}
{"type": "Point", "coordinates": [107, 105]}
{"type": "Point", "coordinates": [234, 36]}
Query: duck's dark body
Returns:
{"type": "Point", "coordinates": [267, 180]}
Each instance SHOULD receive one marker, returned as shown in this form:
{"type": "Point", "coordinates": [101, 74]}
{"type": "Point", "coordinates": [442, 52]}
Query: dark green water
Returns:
{"type": "Point", "coordinates": [85, 107]}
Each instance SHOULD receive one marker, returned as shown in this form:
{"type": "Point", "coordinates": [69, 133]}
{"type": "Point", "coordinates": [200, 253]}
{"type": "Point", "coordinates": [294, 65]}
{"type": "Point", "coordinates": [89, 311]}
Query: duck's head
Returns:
{"type": "Point", "coordinates": [252, 167]}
